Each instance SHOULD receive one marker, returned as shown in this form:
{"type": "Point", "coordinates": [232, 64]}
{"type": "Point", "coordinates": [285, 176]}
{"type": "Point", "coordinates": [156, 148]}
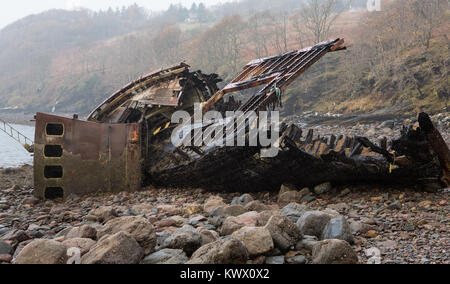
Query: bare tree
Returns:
{"type": "Point", "coordinates": [299, 29]}
{"type": "Point", "coordinates": [257, 35]}
{"type": "Point", "coordinates": [280, 25]}
{"type": "Point", "coordinates": [429, 12]}
{"type": "Point", "coordinates": [318, 17]}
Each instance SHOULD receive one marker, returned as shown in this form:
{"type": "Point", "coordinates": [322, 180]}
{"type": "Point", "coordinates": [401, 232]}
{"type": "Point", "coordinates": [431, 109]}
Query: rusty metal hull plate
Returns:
{"type": "Point", "coordinates": [93, 157]}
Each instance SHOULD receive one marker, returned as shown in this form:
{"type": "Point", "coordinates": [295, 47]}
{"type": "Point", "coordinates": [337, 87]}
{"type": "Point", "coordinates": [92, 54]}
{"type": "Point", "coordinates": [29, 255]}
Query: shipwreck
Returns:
{"type": "Point", "coordinates": [125, 143]}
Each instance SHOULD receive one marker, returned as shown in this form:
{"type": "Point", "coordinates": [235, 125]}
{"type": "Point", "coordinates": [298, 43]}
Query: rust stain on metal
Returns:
{"type": "Point", "coordinates": [95, 157]}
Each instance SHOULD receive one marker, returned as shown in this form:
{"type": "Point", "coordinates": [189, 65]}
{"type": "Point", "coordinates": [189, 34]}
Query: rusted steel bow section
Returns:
{"type": "Point", "coordinates": [79, 157]}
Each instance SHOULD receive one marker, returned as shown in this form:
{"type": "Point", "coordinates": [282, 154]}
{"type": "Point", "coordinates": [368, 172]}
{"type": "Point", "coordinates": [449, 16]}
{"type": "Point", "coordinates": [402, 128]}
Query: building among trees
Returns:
{"type": "Point", "coordinates": [373, 5]}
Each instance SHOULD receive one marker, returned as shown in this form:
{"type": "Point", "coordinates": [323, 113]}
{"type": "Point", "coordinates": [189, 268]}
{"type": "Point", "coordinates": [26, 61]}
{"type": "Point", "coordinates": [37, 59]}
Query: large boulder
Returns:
{"type": "Point", "coordinates": [313, 223]}
{"type": "Point", "coordinates": [166, 256]}
{"type": "Point", "coordinates": [120, 248]}
{"type": "Point", "coordinates": [225, 251]}
{"type": "Point", "coordinates": [83, 244]}
{"type": "Point", "coordinates": [84, 231]}
{"type": "Point", "coordinates": [257, 240]}
{"type": "Point", "coordinates": [42, 252]}
{"type": "Point", "coordinates": [338, 228]}
{"type": "Point", "coordinates": [334, 252]}
{"type": "Point", "coordinates": [284, 233]}
{"type": "Point", "coordinates": [187, 238]}
{"type": "Point", "coordinates": [232, 224]}
{"type": "Point", "coordinates": [138, 227]}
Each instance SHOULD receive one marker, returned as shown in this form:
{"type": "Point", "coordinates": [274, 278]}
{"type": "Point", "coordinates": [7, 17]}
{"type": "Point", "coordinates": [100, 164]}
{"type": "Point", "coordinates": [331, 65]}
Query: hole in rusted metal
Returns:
{"type": "Point", "coordinates": [54, 129]}
{"type": "Point", "coordinates": [53, 151]}
{"type": "Point", "coordinates": [53, 172]}
{"type": "Point", "coordinates": [54, 193]}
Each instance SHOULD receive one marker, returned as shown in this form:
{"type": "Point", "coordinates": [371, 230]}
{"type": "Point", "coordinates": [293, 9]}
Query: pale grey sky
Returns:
{"type": "Point", "coordinates": [17, 9]}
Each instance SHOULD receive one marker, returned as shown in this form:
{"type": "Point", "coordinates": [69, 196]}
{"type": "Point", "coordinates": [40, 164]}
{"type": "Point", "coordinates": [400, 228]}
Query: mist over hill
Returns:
{"type": "Point", "coordinates": [72, 60]}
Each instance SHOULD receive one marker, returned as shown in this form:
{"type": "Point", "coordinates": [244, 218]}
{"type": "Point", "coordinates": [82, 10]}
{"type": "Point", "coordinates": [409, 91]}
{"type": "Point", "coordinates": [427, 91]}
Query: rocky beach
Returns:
{"type": "Point", "coordinates": [360, 223]}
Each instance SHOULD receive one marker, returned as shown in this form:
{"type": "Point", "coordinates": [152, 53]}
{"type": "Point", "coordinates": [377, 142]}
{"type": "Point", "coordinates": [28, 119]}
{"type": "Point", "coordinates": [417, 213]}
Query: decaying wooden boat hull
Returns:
{"type": "Point", "coordinates": [126, 142]}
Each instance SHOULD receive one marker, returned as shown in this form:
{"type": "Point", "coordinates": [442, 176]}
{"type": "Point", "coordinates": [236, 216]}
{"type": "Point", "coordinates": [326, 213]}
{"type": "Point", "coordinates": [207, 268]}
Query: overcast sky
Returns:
{"type": "Point", "coordinates": [16, 9]}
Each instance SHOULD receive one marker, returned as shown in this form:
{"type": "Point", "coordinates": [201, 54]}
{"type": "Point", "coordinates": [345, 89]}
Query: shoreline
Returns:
{"type": "Point", "coordinates": [405, 224]}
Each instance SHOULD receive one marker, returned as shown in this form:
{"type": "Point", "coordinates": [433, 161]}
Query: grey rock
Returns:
{"type": "Point", "coordinates": [242, 200]}
{"type": "Point", "coordinates": [322, 188]}
{"type": "Point", "coordinates": [257, 206]}
{"type": "Point", "coordinates": [283, 231]}
{"type": "Point", "coordinates": [42, 252]}
{"type": "Point", "coordinates": [312, 223]}
{"type": "Point", "coordinates": [5, 248]}
{"type": "Point", "coordinates": [307, 243]}
{"type": "Point", "coordinates": [287, 187]}
{"type": "Point", "coordinates": [3, 230]}
{"type": "Point", "coordinates": [20, 247]}
{"type": "Point", "coordinates": [338, 228]}
{"type": "Point", "coordinates": [166, 256]}
{"type": "Point", "coordinates": [334, 252]}
{"type": "Point", "coordinates": [232, 224]}
{"type": "Point", "coordinates": [307, 199]}
{"type": "Point", "coordinates": [84, 231]}
{"type": "Point", "coordinates": [305, 191]}
{"type": "Point", "coordinates": [298, 259]}
{"type": "Point", "coordinates": [84, 244]}
{"type": "Point", "coordinates": [208, 236]}
{"type": "Point", "coordinates": [225, 251]}
{"type": "Point", "coordinates": [120, 248]}
{"type": "Point", "coordinates": [232, 210]}
{"type": "Point", "coordinates": [103, 213]}
{"type": "Point", "coordinates": [257, 240]}
{"type": "Point", "coordinates": [288, 197]}
{"type": "Point", "coordinates": [138, 227]}
{"type": "Point", "coordinates": [360, 227]}
{"type": "Point", "coordinates": [272, 260]}
{"type": "Point", "coordinates": [195, 220]}
{"type": "Point", "coordinates": [293, 211]}
{"type": "Point", "coordinates": [16, 236]}
{"type": "Point", "coordinates": [186, 238]}
{"type": "Point", "coordinates": [63, 232]}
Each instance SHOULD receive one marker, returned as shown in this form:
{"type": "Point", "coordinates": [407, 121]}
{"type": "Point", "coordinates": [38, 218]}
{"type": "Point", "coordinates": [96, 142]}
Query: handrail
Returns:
{"type": "Point", "coordinates": [26, 142]}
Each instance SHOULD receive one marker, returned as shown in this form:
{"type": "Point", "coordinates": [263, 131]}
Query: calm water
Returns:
{"type": "Point", "coordinates": [12, 154]}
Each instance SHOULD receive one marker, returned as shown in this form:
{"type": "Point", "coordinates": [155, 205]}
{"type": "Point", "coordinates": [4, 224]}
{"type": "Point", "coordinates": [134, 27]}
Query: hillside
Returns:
{"type": "Point", "coordinates": [72, 60]}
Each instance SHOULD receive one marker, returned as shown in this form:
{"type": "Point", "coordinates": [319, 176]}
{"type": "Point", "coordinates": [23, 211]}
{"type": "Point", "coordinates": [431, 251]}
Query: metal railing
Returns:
{"type": "Point", "coordinates": [26, 142]}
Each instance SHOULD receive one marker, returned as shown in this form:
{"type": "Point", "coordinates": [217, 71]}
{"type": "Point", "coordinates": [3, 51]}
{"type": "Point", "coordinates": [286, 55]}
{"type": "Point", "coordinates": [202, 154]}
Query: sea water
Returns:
{"type": "Point", "coordinates": [12, 154]}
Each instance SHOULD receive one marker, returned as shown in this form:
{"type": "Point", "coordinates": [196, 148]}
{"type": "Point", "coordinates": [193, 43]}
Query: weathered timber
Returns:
{"type": "Point", "coordinates": [242, 168]}
{"type": "Point", "coordinates": [438, 145]}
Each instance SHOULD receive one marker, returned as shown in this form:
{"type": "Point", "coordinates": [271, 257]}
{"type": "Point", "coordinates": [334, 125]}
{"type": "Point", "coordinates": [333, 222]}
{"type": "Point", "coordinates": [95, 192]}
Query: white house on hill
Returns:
{"type": "Point", "coordinates": [373, 5]}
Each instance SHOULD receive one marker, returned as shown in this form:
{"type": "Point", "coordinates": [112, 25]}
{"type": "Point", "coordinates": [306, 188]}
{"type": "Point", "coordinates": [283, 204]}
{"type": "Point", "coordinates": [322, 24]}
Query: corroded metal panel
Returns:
{"type": "Point", "coordinates": [95, 157]}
